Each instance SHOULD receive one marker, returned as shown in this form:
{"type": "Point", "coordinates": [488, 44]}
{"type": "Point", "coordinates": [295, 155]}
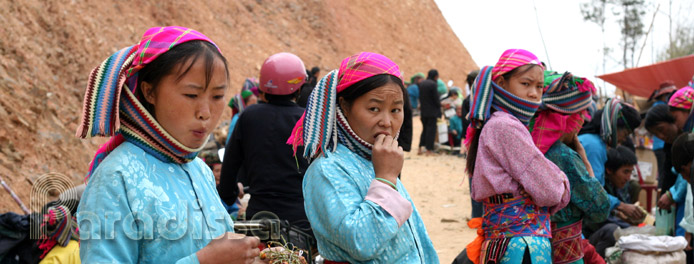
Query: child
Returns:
{"type": "Point", "coordinates": [359, 210]}
{"type": "Point", "coordinates": [148, 198]}
{"type": "Point", "coordinates": [519, 187]}
{"type": "Point", "coordinates": [554, 130]}
{"type": "Point", "coordinates": [455, 126]}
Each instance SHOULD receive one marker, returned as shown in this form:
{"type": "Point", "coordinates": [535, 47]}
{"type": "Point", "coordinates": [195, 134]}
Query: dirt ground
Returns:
{"type": "Point", "coordinates": [439, 188]}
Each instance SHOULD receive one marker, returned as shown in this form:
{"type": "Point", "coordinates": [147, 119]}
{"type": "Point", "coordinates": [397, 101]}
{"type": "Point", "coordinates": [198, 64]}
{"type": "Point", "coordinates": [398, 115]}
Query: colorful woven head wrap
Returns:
{"type": "Point", "coordinates": [112, 109]}
{"type": "Point", "coordinates": [682, 98]}
{"type": "Point", "coordinates": [237, 103]}
{"type": "Point", "coordinates": [565, 104]}
{"type": "Point", "coordinates": [249, 84]}
{"type": "Point", "coordinates": [58, 227]}
{"type": "Point", "coordinates": [511, 59]}
{"type": "Point", "coordinates": [486, 93]}
{"type": "Point", "coordinates": [610, 117]}
{"type": "Point", "coordinates": [323, 124]}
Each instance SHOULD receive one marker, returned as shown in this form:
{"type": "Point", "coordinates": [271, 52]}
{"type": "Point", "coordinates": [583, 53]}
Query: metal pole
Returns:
{"type": "Point", "coordinates": [14, 196]}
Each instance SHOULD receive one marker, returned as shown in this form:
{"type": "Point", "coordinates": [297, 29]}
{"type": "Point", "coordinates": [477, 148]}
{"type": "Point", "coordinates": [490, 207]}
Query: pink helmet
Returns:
{"type": "Point", "coordinates": [282, 73]}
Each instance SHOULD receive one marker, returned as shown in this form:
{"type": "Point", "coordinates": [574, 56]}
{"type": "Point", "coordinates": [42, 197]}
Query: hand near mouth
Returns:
{"type": "Point", "coordinates": [388, 158]}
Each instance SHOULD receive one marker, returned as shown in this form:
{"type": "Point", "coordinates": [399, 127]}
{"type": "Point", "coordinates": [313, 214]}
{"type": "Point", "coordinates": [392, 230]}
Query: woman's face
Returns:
{"type": "Point", "coordinates": [251, 100]}
{"type": "Point", "coordinates": [685, 171]}
{"type": "Point", "coordinates": [186, 108]}
{"type": "Point", "coordinates": [680, 118]}
{"type": "Point", "coordinates": [527, 85]}
{"type": "Point", "coordinates": [665, 131]}
{"type": "Point", "coordinates": [377, 112]}
{"type": "Point", "coordinates": [217, 172]}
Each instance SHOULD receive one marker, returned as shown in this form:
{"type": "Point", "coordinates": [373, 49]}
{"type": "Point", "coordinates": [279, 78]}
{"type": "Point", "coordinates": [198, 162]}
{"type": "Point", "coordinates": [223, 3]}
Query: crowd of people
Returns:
{"type": "Point", "coordinates": [549, 163]}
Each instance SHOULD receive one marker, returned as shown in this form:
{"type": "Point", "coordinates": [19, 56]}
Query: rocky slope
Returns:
{"type": "Point", "coordinates": [47, 49]}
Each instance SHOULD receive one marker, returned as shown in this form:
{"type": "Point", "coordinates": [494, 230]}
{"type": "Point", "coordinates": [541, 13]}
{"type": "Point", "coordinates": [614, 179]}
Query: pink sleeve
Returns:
{"type": "Point", "coordinates": [513, 148]}
{"type": "Point", "coordinates": [391, 201]}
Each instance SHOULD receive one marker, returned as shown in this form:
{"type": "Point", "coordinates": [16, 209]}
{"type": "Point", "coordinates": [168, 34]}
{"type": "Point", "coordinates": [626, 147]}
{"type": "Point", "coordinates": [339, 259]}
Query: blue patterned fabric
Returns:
{"type": "Point", "coordinates": [178, 204]}
{"type": "Point", "coordinates": [351, 229]}
{"type": "Point", "coordinates": [589, 201]}
{"type": "Point", "coordinates": [540, 250]}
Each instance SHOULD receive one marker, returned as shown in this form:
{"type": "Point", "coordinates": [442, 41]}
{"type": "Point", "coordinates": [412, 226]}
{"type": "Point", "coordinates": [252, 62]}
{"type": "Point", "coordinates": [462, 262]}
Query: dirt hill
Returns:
{"type": "Point", "coordinates": [47, 49]}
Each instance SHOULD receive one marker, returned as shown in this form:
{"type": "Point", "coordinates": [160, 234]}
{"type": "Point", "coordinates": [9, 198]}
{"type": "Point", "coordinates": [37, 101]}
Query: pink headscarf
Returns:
{"type": "Point", "coordinates": [683, 98]}
{"type": "Point", "coordinates": [317, 128]}
{"type": "Point", "coordinates": [511, 59]}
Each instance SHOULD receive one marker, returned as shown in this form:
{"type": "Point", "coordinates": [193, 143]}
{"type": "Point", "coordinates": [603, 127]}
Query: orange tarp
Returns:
{"type": "Point", "coordinates": [642, 81]}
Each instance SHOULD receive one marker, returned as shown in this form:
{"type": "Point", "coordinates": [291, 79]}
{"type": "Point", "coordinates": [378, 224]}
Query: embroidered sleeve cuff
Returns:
{"type": "Point", "coordinates": [391, 201]}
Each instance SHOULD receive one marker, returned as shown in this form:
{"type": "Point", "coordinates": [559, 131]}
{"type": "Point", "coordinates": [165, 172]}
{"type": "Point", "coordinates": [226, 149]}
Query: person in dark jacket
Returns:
{"type": "Point", "coordinates": [308, 86]}
{"type": "Point", "coordinates": [430, 106]}
{"type": "Point", "coordinates": [258, 148]}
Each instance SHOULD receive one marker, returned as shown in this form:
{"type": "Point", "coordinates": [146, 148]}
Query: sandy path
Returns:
{"type": "Point", "coordinates": [436, 186]}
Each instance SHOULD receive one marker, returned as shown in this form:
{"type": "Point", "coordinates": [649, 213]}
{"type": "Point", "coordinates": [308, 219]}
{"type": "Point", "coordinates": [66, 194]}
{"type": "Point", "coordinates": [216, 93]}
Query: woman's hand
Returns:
{"type": "Point", "coordinates": [230, 248]}
{"type": "Point", "coordinates": [665, 201]}
{"type": "Point", "coordinates": [388, 158]}
{"type": "Point", "coordinates": [241, 193]}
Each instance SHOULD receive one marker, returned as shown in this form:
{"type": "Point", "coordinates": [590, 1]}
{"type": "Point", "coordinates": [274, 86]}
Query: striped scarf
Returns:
{"type": "Point", "coordinates": [58, 226]}
{"type": "Point", "coordinates": [568, 95]}
{"type": "Point", "coordinates": [331, 122]}
{"type": "Point", "coordinates": [323, 124]}
{"type": "Point", "coordinates": [610, 116]}
{"type": "Point", "coordinates": [487, 94]}
{"type": "Point", "coordinates": [112, 109]}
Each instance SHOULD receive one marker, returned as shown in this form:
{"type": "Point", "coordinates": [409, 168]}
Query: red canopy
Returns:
{"type": "Point", "coordinates": [642, 81]}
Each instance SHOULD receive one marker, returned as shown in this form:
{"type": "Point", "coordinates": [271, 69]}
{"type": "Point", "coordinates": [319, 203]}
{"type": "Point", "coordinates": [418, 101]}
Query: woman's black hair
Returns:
{"type": "Point", "coordinates": [682, 150]}
{"type": "Point", "coordinates": [176, 59]}
{"type": "Point", "coordinates": [364, 86]}
{"type": "Point", "coordinates": [314, 70]}
{"type": "Point", "coordinates": [618, 157]}
{"type": "Point", "coordinates": [471, 77]}
{"type": "Point", "coordinates": [432, 74]}
{"type": "Point", "coordinates": [631, 119]}
{"type": "Point", "coordinates": [629, 114]}
{"type": "Point", "coordinates": [658, 114]}
{"type": "Point", "coordinates": [277, 98]}
{"type": "Point", "coordinates": [672, 108]}
{"type": "Point", "coordinates": [474, 142]}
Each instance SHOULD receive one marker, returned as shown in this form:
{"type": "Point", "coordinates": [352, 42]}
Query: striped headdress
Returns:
{"type": "Point", "coordinates": [111, 108]}
{"type": "Point", "coordinates": [486, 93]}
{"type": "Point", "coordinates": [58, 226]}
{"type": "Point", "coordinates": [610, 116]}
{"type": "Point", "coordinates": [323, 124]}
{"type": "Point", "coordinates": [568, 94]}
{"type": "Point", "coordinates": [565, 104]}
